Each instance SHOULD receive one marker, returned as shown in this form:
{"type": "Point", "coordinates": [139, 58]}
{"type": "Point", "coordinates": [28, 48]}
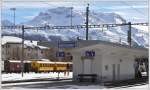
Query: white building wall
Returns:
{"type": "Point", "coordinates": [109, 55]}
{"type": "Point", "coordinates": [97, 65]}
{"type": "Point", "coordinates": [126, 70]}
{"type": "Point", "coordinates": [77, 64]}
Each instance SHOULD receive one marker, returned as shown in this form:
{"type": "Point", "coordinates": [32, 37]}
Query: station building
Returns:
{"type": "Point", "coordinates": [109, 61]}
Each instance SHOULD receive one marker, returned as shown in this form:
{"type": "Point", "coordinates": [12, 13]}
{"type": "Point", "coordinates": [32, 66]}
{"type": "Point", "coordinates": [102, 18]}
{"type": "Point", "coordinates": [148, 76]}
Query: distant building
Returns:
{"type": "Point", "coordinates": [12, 50]}
{"type": "Point", "coordinates": [54, 48]}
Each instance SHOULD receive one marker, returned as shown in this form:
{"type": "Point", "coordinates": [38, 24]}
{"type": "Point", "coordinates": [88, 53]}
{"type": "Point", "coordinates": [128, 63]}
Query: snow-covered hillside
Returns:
{"type": "Point", "coordinates": [62, 16]}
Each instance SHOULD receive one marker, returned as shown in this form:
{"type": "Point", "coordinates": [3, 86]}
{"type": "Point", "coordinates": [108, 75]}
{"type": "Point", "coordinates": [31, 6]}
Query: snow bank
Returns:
{"type": "Point", "coordinates": [32, 75]}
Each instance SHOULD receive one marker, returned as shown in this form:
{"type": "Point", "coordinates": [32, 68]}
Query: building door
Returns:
{"type": "Point", "coordinates": [87, 66]}
{"type": "Point", "coordinates": [118, 71]}
{"type": "Point", "coordinates": [113, 72]}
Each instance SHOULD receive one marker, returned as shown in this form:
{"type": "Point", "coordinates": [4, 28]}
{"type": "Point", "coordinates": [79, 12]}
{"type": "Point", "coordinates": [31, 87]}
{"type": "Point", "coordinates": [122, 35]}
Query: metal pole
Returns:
{"type": "Point", "coordinates": [71, 17]}
{"type": "Point", "coordinates": [129, 33]}
{"type": "Point", "coordinates": [22, 64]}
{"type": "Point", "coordinates": [87, 21]}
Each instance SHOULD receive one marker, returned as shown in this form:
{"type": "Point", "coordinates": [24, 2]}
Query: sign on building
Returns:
{"type": "Point", "coordinates": [60, 54]}
{"type": "Point", "coordinates": [66, 44]}
{"type": "Point", "coordinates": [90, 53]}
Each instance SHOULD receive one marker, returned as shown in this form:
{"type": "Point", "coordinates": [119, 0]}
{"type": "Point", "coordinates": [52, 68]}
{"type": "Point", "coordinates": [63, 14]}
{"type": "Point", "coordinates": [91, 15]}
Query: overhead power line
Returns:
{"type": "Point", "coordinates": [70, 27]}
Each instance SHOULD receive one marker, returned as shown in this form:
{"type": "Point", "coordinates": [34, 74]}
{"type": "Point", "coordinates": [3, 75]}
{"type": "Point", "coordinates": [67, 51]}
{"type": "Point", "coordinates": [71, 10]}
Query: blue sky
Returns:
{"type": "Point", "coordinates": [135, 11]}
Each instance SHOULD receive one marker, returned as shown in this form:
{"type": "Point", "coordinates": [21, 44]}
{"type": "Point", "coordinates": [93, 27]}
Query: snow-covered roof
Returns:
{"type": "Point", "coordinates": [34, 44]}
{"type": "Point", "coordinates": [6, 39]}
{"type": "Point", "coordinates": [42, 47]}
{"type": "Point", "coordinates": [12, 39]}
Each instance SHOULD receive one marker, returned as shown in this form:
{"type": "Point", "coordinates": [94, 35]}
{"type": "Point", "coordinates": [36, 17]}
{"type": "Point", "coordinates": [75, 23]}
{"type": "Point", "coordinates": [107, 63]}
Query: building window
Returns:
{"type": "Point", "coordinates": [41, 51]}
{"type": "Point", "coordinates": [28, 54]}
{"type": "Point", "coordinates": [8, 46]}
{"type": "Point", "coordinates": [106, 67]}
{"type": "Point", "coordinates": [120, 60]}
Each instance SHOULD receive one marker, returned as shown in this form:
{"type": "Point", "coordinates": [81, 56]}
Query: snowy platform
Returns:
{"type": "Point", "coordinates": [32, 75]}
{"type": "Point", "coordinates": [67, 84]}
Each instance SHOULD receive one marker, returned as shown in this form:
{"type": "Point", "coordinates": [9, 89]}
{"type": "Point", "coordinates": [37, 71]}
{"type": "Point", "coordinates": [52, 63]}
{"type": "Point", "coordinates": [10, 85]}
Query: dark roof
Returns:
{"type": "Point", "coordinates": [86, 43]}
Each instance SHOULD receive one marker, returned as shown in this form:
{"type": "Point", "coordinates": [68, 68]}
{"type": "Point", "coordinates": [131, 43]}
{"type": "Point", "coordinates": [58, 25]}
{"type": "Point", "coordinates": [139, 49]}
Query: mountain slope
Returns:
{"type": "Point", "coordinates": [62, 16]}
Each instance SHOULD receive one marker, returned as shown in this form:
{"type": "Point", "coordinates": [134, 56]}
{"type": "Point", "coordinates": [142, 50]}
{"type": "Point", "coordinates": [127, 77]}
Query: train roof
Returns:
{"type": "Point", "coordinates": [53, 62]}
{"type": "Point", "coordinates": [18, 61]}
{"type": "Point", "coordinates": [28, 61]}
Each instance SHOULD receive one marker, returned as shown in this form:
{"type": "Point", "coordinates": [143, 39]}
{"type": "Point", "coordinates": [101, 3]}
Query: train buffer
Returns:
{"type": "Point", "coordinates": [87, 77]}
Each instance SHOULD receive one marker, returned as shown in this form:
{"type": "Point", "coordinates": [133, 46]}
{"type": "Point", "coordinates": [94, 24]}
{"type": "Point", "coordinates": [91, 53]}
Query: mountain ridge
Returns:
{"type": "Point", "coordinates": [62, 16]}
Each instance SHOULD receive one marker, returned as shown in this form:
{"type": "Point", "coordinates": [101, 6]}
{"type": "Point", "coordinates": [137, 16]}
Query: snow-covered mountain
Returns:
{"type": "Point", "coordinates": [62, 16]}
{"type": "Point", "coordinates": [6, 23]}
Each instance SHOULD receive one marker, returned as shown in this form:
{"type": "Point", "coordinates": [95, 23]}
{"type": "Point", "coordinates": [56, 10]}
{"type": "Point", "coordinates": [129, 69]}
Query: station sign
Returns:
{"type": "Point", "coordinates": [60, 54]}
{"type": "Point", "coordinates": [66, 44]}
{"type": "Point", "coordinates": [90, 53]}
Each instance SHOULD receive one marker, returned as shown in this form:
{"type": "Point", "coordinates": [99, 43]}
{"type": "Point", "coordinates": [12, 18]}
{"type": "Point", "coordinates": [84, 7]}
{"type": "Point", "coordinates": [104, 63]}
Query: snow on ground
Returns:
{"type": "Point", "coordinates": [140, 87]}
{"type": "Point", "coordinates": [32, 75]}
{"type": "Point", "coordinates": [66, 84]}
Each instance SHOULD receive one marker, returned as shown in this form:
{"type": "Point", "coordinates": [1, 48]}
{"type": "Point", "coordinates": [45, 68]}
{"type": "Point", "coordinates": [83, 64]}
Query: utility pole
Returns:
{"type": "Point", "coordinates": [87, 21]}
{"type": "Point", "coordinates": [14, 16]}
{"type": "Point", "coordinates": [71, 17]}
{"type": "Point", "coordinates": [129, 34]}
{"type": "Point", "coordinates": [22, 63]}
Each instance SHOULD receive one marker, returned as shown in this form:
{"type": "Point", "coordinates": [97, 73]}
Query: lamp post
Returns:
{"type": "Point", "coordinates": [13, 9]}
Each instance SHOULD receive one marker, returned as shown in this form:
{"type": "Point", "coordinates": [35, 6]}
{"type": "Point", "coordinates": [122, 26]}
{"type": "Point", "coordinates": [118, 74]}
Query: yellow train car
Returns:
{"type": "Point", "coordinates": [61, 66]}
{"type": "Point", "coordinates": [42, 66]}
{"type": "Point", "coordinates": [47, 66]}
